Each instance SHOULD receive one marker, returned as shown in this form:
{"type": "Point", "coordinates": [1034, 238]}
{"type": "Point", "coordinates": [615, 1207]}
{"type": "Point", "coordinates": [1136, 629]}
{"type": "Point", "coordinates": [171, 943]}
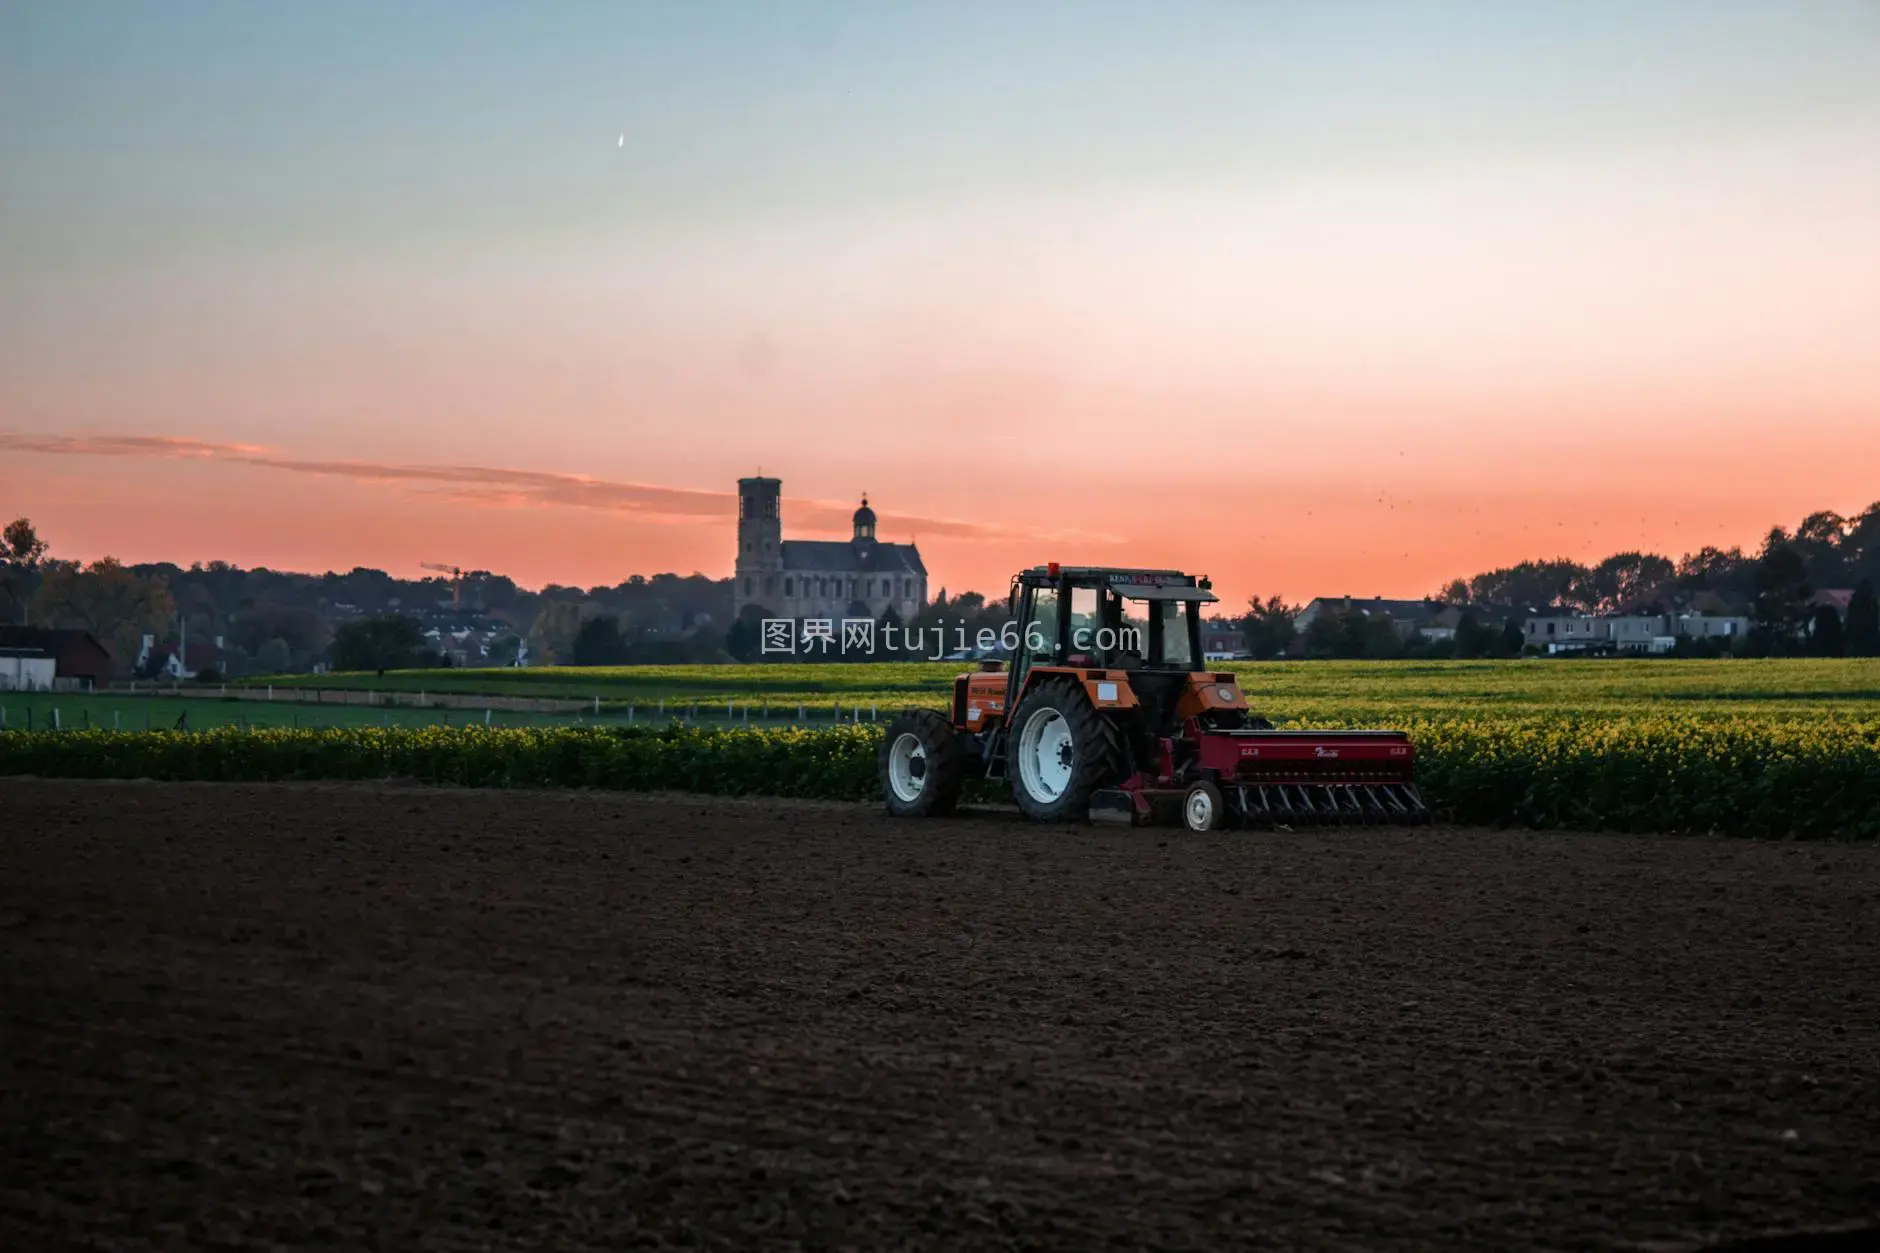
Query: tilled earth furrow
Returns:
{"type": "Point", "coordinates": [262, 1017]}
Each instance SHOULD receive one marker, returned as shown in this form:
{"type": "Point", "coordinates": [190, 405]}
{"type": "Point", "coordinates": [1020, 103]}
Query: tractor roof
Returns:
{"type": "Point", "coordinates": [1178, 591]}
{"type": "Point", "coordinates": [1132, 582]}
{"type": "Point", "coordinates": [1115, 574]}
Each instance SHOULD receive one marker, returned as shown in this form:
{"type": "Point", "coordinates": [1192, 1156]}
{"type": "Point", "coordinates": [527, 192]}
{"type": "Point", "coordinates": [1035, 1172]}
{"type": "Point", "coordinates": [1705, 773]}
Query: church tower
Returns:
{"type": "Point", "coordinates": [760, 542]}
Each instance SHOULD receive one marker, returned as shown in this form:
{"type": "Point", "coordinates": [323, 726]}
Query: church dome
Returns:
{"type": "Point", "coordinates": [864, 521]}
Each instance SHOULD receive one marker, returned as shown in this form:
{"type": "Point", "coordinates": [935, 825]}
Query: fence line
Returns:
{"type": "Point", "coordinates": [733, 713]}
{"type": "Point", "coordinates": [356, 696]}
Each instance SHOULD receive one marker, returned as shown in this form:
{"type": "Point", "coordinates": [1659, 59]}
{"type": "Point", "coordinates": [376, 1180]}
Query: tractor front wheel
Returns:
{"type": "Point", "coordinates": [1058, 752]}
{"type": "Point", "coordinates": [921, 765]}
{"type": "Point", "coordinates": [1203, 809]}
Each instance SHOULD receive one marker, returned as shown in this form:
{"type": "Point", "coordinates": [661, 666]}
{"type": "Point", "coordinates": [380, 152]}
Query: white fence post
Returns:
{"type": "Point", "coordinates": [597, 706]}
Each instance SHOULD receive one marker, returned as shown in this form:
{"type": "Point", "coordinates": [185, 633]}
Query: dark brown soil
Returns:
{"type": "Point", "coordinates": [372, 1017]}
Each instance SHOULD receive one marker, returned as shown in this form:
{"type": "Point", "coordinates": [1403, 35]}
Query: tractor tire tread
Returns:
{"type": "Point", "coordinates": [1095, 739]}
{"type": "Point", "coordinates": [946, 764]}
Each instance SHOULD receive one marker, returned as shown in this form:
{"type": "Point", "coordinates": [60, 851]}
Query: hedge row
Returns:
{"type": "Point", "coordinates": [1650, 773]}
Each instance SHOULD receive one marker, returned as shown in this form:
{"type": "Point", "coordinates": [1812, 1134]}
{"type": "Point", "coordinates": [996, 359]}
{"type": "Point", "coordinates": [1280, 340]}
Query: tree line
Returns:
{"type": "Point", "coordinates": [1774, 587]}
{"type": "Point", "coordinates": [278, 621]}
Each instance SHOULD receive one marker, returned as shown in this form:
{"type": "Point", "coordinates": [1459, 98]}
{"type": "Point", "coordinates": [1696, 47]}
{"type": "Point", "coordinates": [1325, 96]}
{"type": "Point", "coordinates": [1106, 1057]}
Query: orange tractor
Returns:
{"type": "Point", "coordinates": [1106, 711]}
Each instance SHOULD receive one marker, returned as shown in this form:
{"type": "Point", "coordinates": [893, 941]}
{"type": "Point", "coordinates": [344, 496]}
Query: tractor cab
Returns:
{"type": "Point", "coordinates": [1091, 618]}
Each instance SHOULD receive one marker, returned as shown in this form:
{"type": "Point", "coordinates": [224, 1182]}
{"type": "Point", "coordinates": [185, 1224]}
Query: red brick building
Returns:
{"type": "Point", "coordinates": [76, 654]}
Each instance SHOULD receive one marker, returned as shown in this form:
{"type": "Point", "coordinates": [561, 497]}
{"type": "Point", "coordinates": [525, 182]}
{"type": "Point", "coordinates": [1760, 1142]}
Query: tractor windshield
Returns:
{"type": "Point", "coordinates": [1097, 621]}
{"type": "Point", "coordinates": [1112, 629]}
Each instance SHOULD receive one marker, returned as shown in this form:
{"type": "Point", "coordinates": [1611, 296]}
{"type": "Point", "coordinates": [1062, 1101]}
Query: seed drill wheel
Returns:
{"type": "Point", "coordinates": [1059, 751]}
{"type": "Point", "coordinates": [1203, 809]}
{"type": "Point", "coordinates": [920, 765]}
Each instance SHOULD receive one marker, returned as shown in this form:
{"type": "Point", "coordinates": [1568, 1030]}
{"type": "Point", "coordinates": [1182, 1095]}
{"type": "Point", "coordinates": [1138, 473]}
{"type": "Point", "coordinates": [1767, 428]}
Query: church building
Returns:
{"type": "Point", "coordinates": [860, 578]}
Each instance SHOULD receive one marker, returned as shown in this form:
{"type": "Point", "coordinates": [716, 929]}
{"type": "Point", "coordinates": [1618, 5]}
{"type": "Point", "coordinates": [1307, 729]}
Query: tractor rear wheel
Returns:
{"type": "Point", "coordinates": [921, 765]}
{"type": "Point", "coordinates": [1059, 751]}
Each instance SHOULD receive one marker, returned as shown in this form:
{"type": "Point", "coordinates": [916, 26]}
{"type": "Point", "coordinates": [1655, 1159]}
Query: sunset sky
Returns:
{"type": "Point", "coordinates": [1329, 298]}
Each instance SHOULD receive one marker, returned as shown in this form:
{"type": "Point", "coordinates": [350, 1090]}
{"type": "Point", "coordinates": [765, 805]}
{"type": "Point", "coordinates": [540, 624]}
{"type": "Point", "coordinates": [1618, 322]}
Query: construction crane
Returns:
{"type": "Point", "coordinates": [456, 581]}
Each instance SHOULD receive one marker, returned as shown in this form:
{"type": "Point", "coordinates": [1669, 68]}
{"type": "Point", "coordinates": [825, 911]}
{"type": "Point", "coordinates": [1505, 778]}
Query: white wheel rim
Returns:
{"type": "Point", "coordinates": [1200, 810]}
{"type": "Point", "coordinates": [1045, 759]}
{"type": "Point", "coordinates": [906, 784]}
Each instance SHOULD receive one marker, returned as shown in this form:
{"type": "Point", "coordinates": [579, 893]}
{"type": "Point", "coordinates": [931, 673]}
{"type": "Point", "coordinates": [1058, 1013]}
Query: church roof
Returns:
{"type": "Point", "coordinates": [815, 556]}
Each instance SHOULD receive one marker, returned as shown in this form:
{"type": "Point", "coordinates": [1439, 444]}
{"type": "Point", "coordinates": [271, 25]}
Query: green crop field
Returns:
{"type": "Point", "coordinates": [1335, 692]}
{"type": "Point", "coordinates": [1787, 747]}
{"type": "Point", "coordinates": [108, 711]}
{"type": "Point", "coordinates": [806, 683]}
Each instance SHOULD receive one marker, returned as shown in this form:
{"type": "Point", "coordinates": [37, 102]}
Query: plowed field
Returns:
{"type": "Point", "coordinates": [373, 1017]}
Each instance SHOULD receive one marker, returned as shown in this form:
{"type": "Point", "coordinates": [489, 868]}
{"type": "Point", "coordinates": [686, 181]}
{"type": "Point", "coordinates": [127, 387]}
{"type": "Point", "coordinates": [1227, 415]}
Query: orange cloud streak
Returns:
{"type": "Point", "coordinates": [498, 487]}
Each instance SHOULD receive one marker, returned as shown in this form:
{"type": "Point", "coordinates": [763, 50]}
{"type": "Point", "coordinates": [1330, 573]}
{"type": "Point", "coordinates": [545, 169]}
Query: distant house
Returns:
{"type": "Point", "coordinates": [1567, 633]}
{"type": "Point", "coordinates": [1410, 617]}
{"type": "Point", "coordinates": [1706, 626]}
{"type": "Point", "coordinates": [77, 658]}
{"type": "Point", "coordinates": [465, 646]}
{"type": "Point", "coordinates": [1835, 598]}
{"type": "Point", "coordinates": [1443, 624]}
{"type": "Point", "coordinates": [1585, 633]}
{"type": "Point", "coordinates": [167, 661]}
{"type": "Point", "coordinates": [1639, 633]}
{"type": "Point", "coordinates": [1631, 633]}
{"type": "Point", "coordinates": [1222, 641]}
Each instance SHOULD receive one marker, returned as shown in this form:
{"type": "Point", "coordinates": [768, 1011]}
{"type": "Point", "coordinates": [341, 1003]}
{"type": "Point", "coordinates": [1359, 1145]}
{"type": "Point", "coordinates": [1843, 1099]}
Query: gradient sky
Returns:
{"type": "Point", "coordinates": [1329, 298]}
